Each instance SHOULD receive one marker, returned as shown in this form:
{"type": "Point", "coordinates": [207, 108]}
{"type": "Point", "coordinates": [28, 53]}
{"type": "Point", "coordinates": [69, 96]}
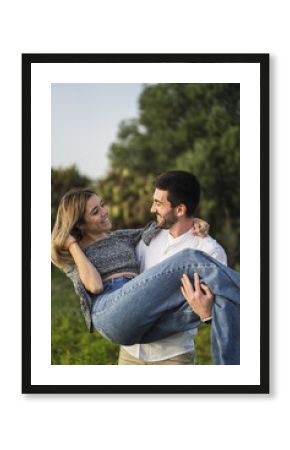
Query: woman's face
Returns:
{"type": "Point", "coordinates": [96, 216]}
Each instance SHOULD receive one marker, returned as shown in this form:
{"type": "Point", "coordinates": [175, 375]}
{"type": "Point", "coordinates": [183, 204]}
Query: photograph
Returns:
{"type": "Point", "coordinates": [149, 192]}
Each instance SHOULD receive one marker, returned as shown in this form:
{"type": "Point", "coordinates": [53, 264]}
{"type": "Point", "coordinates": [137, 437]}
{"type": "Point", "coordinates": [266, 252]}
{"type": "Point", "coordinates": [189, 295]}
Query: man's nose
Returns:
{"type": "Point", "coordinates": [153, 208]}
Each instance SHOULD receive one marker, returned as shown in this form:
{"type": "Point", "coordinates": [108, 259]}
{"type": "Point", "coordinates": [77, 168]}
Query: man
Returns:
{"type": "Point", "coordinates": [175, 200]}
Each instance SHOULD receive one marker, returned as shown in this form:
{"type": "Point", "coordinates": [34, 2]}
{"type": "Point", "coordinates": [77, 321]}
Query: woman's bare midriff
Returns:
{"type": "Point", "coordinates": [122, 274]}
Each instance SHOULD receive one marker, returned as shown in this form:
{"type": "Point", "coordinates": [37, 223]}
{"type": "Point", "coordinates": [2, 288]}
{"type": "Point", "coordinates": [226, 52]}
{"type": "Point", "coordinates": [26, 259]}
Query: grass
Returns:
{"type": "Point", "coordinates": [72, 344]}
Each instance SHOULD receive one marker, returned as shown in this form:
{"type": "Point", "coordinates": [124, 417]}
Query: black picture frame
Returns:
{"type": "Point", "coordinates": [263, 61]}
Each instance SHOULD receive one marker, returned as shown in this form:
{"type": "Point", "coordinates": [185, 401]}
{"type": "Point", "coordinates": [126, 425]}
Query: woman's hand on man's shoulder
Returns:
{"type": "Point", "coordinates": [200, 227]}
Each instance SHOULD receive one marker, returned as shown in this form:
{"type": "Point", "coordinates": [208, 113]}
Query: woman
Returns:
{"type": "Point", "coordinates": [123, 306]}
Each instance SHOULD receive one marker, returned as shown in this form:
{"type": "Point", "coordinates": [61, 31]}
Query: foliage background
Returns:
{"type": "Point", "coordinates": [194, 127]}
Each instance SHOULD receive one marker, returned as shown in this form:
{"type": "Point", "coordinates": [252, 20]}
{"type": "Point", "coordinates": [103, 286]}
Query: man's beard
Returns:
{"type": "Point", "coordinates": [168, 220]}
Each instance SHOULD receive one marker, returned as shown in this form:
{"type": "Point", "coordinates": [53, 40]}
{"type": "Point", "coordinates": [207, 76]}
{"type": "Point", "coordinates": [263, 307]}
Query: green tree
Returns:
{"type": "Point", "coordinates": [129, 197]}
{"type": "Point", "coordinates": [192, 127]}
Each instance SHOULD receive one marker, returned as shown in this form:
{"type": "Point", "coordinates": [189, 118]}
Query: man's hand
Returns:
{"type": "Point", "coordinates": [199, 297]}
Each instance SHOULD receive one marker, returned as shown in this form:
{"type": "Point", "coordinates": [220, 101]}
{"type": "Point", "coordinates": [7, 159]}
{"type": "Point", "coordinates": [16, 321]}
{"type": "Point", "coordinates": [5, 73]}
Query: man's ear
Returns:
{"type": "Point", "coordinates": [181, 210]}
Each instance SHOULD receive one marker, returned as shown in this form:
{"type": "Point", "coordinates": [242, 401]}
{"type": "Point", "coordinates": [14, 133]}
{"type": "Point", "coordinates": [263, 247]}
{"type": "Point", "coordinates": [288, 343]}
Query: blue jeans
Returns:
{"type": "Point", "coordinates": [151, 307]}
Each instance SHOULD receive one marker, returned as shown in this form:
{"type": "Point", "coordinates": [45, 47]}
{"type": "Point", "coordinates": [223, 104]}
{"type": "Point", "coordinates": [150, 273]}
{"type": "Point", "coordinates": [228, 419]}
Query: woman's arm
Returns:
{"type": "Point", "coordinates": [89, 275]}
{"type": "Point", "coordinates": [146, 234]}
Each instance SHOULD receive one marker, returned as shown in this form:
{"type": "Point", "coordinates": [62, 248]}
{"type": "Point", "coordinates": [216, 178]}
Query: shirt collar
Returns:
{"type": "Point", "coordinates": [177, 240]}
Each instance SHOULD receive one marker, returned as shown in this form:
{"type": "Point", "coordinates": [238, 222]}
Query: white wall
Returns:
{"type": "Point", "coordinates": [60, 421]}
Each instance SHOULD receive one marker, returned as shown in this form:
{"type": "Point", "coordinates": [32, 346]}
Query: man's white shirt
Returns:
{"type": "Point", "coordinates": [161, 247]}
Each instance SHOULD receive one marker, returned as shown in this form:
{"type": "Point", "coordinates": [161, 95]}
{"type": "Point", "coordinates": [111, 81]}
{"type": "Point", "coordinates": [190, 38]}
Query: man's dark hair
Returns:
{"type": "Point", "coordinates": [183, 187]}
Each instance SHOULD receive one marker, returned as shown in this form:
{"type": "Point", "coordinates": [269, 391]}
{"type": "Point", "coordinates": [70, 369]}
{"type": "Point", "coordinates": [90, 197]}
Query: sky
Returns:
{"type": "Point", "coordinates": [84, 122]}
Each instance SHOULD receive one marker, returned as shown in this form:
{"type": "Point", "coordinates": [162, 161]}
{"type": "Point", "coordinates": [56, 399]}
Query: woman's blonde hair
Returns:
{"type": "Point", "coordinates": [70, 215]}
